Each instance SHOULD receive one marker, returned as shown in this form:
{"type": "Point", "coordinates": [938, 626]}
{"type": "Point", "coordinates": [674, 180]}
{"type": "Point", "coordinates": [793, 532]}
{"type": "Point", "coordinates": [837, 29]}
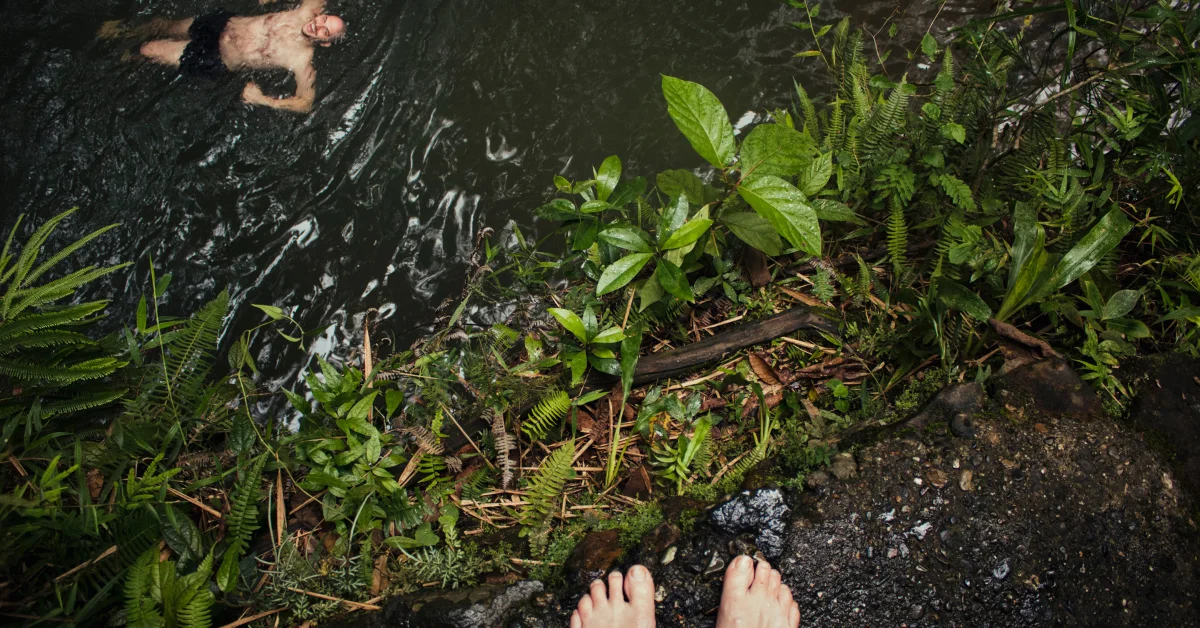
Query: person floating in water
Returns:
{"type": "Point", "coordinates": [216, 43]}
{"type": "Point", "coordinates": [752, 597]}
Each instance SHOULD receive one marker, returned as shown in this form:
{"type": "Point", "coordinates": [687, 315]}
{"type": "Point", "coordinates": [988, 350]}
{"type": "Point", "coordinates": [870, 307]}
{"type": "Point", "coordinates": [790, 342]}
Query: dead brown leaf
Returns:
{"type": "Point", "coordinates": [763, 370]}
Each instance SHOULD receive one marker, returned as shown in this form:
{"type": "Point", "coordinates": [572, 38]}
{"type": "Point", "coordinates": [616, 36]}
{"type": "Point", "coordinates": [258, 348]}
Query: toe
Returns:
{"type": "Point", "coordinates": [762, 576]}
{"type": "Point", "coordinates": [794, 616]}
{"type": "Point", "coordinates": [784, 596]}
{"type": "Point", "coordinates": [739, 575]}
{"type": "Point", "coordinates": [639, 587]}
{"type": "Point", "coordinates": [773, 583]}
{"type": "Point", "coordinates": [599, 594]}
{"type": "Point", "coordinates": [576, 622]}
{"type": "Point", "coordinates": [585, 607]}
{"type": "Point", "coordinates": [616, 588]}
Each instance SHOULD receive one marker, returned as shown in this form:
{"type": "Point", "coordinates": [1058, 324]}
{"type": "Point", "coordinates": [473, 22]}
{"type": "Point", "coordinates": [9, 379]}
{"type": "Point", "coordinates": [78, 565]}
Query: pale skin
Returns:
{"type": "Point", "coordinates": [283, 40]}
{"type": "Point", "coordinates": [751, 597]}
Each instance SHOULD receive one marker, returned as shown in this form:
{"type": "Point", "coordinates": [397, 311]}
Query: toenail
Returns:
{"type": "Point", "coordinates": [638, 573]}
{"type": "Point", "coordinates": [742, 561]}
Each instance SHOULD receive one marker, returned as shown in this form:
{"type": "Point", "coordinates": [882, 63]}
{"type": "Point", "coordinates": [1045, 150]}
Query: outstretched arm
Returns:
{"type": "Point", "coordinates": [306, 91]}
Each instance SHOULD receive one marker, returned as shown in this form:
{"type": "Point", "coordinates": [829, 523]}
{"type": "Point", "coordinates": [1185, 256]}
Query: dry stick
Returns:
{"type": "Point", "coordinates": [280, 509]}
{"type": "Point", "coordinates": [1076, 86]}
{"type": "Point", "coordinates": [84, 565]}
{"type": "Point", "coordinates": [195, 502]}
{"type": "Point", "coordinates": [367, 360]}
{"type": "Point", "coordinates": [466, 436]}
{"type": "Point", "coordinates": [245, 620]}
{"type": "Point", "coordinates": [363, 605]}
{"type": "Point", "coordinates": [311, 499]}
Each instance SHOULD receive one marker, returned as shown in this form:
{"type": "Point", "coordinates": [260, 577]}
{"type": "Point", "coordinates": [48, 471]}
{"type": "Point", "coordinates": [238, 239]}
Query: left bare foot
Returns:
{"type": "Point", "coordinates": [607, 607]}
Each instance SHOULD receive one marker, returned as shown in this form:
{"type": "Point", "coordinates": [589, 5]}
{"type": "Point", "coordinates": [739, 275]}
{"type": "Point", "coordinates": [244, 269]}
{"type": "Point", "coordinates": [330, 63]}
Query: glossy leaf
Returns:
{"type": "Point", "coordinates": [1120, 304]}
{"type": "Point", "coordinates": [621, 272]}
{"type": "Point", "coordinates": [612, 334]}
{"type": "Point", "coordinates": [570, 321]}
{"type": "Point", "coordinates": [701, 118]}
{"type": "Point", "coordinates": [785, 208]}
{"type": "Point", "coordinates": [754, 230]}
{"type": "Point", "coordinates": [673, 217]}
{"type": "Point", "coordinates": [835, 211]}
{"type": "Point", "coordinates": [673, 280]}
{"type": "Point", "coordinates": [675, 183]}
{"type": "Point", "coordinates": [691, 231]}
{"type": "Point", "coordinates": [1100, 239]}
{"type": "Point", "coordinates": [270, 310]}
{"type": "Point", "coordinates": [607, 177]}
{"type": "Point", "coordinates": [650, 293]}
{"type": "Point", "coordinates": [959, 297]}
{"type": "Point", "coordinates": [627, 237]}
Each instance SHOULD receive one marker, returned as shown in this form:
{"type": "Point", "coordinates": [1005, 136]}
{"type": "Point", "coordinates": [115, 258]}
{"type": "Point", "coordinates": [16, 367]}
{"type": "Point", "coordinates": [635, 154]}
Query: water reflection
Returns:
{"type": "Point", "coordinates": [433, 120]}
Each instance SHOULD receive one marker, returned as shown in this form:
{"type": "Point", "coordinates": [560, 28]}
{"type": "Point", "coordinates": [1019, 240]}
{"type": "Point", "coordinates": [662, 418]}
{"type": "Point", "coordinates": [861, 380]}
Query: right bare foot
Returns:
{"type": "Point", "coordinates": [606, 607]}
{"type": "Point", "coordinates": [755, 598]}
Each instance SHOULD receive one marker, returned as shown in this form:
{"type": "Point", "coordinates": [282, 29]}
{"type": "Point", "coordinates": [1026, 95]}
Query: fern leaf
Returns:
{"type": "Point", "coordinates": [140, 609]}
{"type": "Point", "coordinates": [811, 122]}
{"type": "Point", "coordinates": [886, 121]}
{"type": "Point", "coordinates": [189, 357]}
{"type": "Point", "coordinates": [242, 522]}
{"type": "Point", "coordinates": [45, 320]}
{"type": "Point", "coordinates": [504, 444]}
{"type": "Point", "coordinates": [545, 415]}
{"type": "Point", "coordinates": [426, 441]}
{"type": "Point", "coordinates": [897, 237]}
{"type": "Point", "coordinates": [547, 483]}
{"type": "Point", "coordinates": [959, 192]}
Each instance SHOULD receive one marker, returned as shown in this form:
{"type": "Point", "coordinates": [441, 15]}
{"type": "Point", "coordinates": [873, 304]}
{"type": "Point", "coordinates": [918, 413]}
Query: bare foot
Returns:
{"type": "Point", "coordinates": [755, 598]}
{"type": "Point", "coordinates": [606, 607]}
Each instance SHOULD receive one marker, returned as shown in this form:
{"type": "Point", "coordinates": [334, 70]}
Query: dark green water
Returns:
{"type": "Point", "coordinates": [433, 120]}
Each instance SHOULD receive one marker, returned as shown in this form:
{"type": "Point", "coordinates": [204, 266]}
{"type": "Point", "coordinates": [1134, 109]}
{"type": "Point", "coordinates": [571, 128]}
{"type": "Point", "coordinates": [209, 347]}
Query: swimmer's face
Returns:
{"type": "Point", "coordinates": [324, 29]}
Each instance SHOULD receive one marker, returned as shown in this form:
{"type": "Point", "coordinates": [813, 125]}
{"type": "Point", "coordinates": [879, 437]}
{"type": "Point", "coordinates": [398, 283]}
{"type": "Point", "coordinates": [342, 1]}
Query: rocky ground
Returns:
{"type": "Point", "coordinates": [1021, 505]}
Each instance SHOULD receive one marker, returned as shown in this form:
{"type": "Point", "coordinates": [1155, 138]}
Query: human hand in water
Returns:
{"type": "Point", "coordinates": [253, 94]}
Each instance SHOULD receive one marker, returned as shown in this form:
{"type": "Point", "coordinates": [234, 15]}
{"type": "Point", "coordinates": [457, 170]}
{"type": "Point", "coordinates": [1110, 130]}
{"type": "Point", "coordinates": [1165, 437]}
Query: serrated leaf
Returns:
{"type": "Point", "coordinates": [816, 175]}
{"type": "Point", "coordinates": [701, 118]}
{"type": "Point", "coordinates": [785, 208]}
{"type": "Point", "coordinates": [775, 149]}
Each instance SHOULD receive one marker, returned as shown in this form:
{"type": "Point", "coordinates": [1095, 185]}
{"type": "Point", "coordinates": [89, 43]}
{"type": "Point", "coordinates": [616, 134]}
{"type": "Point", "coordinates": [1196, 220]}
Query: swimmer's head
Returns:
{"type": "Point", "coordinates": [324, 29]}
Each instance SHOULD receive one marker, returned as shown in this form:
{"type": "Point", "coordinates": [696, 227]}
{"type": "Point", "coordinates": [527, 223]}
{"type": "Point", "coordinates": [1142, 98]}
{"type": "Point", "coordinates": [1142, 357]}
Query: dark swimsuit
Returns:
{"type": "Point", "coordinates": [202, 56]}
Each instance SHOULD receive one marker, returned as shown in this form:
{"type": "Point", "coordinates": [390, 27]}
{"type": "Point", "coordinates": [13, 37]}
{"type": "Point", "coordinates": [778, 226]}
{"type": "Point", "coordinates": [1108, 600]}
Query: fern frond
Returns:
{"type": "Point", "coordinates": [189, 356]}
{"type": "Point", "coordinates": [547, 483]}
{"type": "Point", "coordinates": [748, 462]}
{"type": "Point", "coordinates": [425, 440]}
{"type": "Point", "coordinates": [504, 443]}
{"type": "Point", "coordinates": [242, 521]}
{"type": "Point", "coordinates": [959, 192]}
{"type": "Point", "coordinates": [809, 112]}
{"type": "Point", "coordinates": [140, 609]}
{"type": "Point", "coordinates": [45, 320]}
{"type": "Point", "coordinates": [503, 336]}
{"type": "Point", "coordinates": [897, 242]}
{"type": "Point", "coordinates": [545, 415]}
{"type": "Point", "coordinates": [886, 121]}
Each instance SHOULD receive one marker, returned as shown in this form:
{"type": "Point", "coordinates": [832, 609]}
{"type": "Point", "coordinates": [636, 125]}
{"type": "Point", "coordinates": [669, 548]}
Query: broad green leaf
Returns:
{"type": "Point", "coordinates": [1102, 238]}
{"type": "Point", "coordinates": [702, 119]}
{"type": "Point", "coordinates": [627, 237]}
{"type": "Point", "coordinates": [675, 183]}
{"type": "Point", "coordinates": [954, 131]}
{"type": "Point", "coordinates": [160, 286]}
{"type": "Point", "coordinates": [929, 46]}
{"type": "Point", "coordinates": [612, 334]}
{"type": "Point", "coordinates": [626, 191]}
{"type": "Point", "coordinates": [393, 398]}
{"type": "Point", "coordinates": [227, 574]}
{"type": "Point", "coordinates": [673, 217]}
{"type": "Point", "coordinates": [630, 347]}
{"type": "Point", "coordinates": [586, 232]}
{"type": "Point", "coordinates": [570, 321]}
{"type": "Point", "coordinates": [1027, 234]}
{"type": "Point", "coordinates": [691, 231]}
{"type": "Point", "coordinates": [607, 365]}
{"type": "Point", "coordinates": [1130, 327]}
{"type": "Point", "coordinates": [673, 280]}
{"type": "Point", "coordinates": [607, 177]}
{"type": "Point", "coordinates": [583, 400]}
{"type": "Point", "coordinates": [754, 230]}
{"type": "Point", "coordinates": [577, 362]}
{"type": "Point", "coordinates": [270, 310]}
{"type": "Point", "coordinates": [423, 536]}
{"type": "Point", "coordinates": [785, 208]}
{"type": "Point", "coordinates": [776, 150]}
{"type": "Point", "coordinates": [959, 297]}
{"type": "Point", "coordinates": [606, 354]}
{"type": "Point", "coordinates": [621, 272]}
{"type": "Point", "coordinates": [141, 315]}
{"type": "Point", "coordinates": [361, 409]}
{"type": "Point", "coordinates": [835, 211]}
{"type": "Point", "coordinates": [561, 184]}
{"type": "Point", "coordinates": [590, 324]}
{"type": "Point", "coordinates": [593, 207]}
{"type": "Point", "coordinates": [1181, 313]}
{"type": "Point", "coordinates": [321, 479]}
{"type": "Point", "coordinates": [816, 175]}
{"type": "Point", "coordinates": [650, 293]}
{"type": "Point", "coordinates": [558, 209]}
{"type": "Point", "coordinates": [1120, 304]}
{"type": "Point", "coordinates": [1034, 273]}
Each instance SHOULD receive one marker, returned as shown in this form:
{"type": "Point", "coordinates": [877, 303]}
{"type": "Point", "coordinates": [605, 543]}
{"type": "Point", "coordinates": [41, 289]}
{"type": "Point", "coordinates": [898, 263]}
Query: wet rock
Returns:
{"type": "Point", "coordinates": [480, 607]}
{"type": "Point", "coordinates": [843, 466]}
{"type": "Point", "coordinates": [760, 512]}
{"type": "Point", "coordinates": [593, 556]}
{"type": "Point", "coordinates": [816, 479]}
{"type": "Point", "coordinates": [1048, 388]}
{"type": "Point", "coordinates": [661, 537]}
{"type": "Point", "coordinates": [962, 425]}
{"type": "Point", "coordinates": [965, 480]}
{"type": "Point", "coordinates": [715, 566]}
{"type": "Point", "coordinates": [1167, 410]}
{"type": "Point", "coordinates": [955, 399]}
{"type": "Point", "coordinates": [937, 477]}
{"type": "Point", "coordinates": [1001, 571]}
